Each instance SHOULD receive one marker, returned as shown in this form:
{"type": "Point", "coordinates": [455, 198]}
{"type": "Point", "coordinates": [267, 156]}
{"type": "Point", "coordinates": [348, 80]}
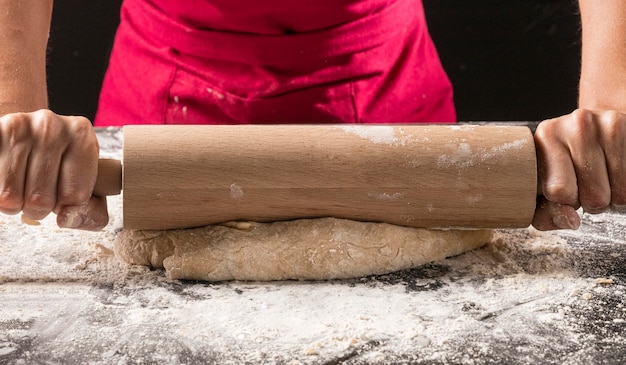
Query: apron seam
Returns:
{"type": "Point", "coordinates": [167, 94]}
{"type": "Point", "coordinates": [355, 111]}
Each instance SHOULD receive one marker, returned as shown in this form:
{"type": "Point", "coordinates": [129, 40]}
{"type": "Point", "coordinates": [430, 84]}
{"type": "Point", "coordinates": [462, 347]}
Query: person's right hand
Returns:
{"type": "Point", "coordinates": [581, 163]}
{"type": "Point", "coordinates": [49, 163]}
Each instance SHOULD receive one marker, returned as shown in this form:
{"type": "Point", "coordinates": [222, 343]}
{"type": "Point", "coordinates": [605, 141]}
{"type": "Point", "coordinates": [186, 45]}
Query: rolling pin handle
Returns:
{"type": "Point", "coordinates": [109, 181]}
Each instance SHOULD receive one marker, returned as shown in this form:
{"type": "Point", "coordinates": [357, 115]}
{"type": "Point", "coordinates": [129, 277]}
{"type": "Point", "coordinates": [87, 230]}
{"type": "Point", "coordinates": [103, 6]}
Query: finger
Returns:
{"type": "Point", "coordinates": [557, 175]}
{"type": "Point", "coordinates": [594, 189]}
{"type": "Point", "coordinates": [613, 129]}
{"type": "Point", "coordinates": [79, 166]}
{"type": "Point", "coordinates": [40, 187]}
{"type": "Point", "coordinates": [552, 216]}
{"type": "Point", "coordinates": [15, 147]}
{"type": "Point", "coordinates": [90, 216]}
{"type": "Point", "coordinates": [43, 168]}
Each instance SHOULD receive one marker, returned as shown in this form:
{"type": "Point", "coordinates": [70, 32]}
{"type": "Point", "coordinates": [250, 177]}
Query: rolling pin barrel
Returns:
{"type": "Point", "coordinates": [411, 175]}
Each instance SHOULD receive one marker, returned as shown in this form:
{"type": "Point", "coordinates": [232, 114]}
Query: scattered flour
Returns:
{"type": "Point", "coordinates": [528, 297]}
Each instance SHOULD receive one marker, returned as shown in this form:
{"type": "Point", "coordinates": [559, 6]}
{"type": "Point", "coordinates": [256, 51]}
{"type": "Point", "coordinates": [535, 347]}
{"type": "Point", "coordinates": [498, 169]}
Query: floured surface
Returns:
{"type": "Point", "coordinates": [304, 249]}
{"type": "Point", "coordinates": [528, 298]}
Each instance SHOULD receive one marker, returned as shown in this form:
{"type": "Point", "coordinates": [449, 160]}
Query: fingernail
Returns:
{"type": "Point", "coordinates": [619, 208]}
{"type": "Point", "coordinates": [594, 210]}
{"type": "Point", "coordinates": [71, 219]}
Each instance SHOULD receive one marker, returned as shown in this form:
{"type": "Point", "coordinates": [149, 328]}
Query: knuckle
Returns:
{"type": "Point", "coordinates": [16, 130]}
{"type": "Point", "coordinates": [543, 130]}
{"type": "Point", "coordinates": [82, 130]}
{"type": "Point", "coordinates": [581, 114]}
{"type": "Point", "coordinates": [611, 116]}
{"type": "Point", "coordinates": [546, 137]}
{"type": "Point", "coordinates": [80, 125]}
{"type": "Point", "coordinates": [49, 132]}
{"type": "Point", "coordinates": [46, 124]}
{"type": "Point", "coordinates": [614, 126]}
{"type": "Point", "coordinates": [580, 124]}
{"type": "Point", "coordinates": [44, 114]}
{"type": "Point", "coordinates": [561, 193]}
{"type": "Point", "coordinates": [47, 118]}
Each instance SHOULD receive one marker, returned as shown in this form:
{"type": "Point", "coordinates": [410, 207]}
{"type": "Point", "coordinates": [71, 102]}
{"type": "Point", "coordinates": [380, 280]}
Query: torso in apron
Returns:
{"type": "Point", "coordinates": [276, 61]}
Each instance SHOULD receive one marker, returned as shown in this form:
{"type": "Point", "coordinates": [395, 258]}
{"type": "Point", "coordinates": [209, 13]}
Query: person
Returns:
{"type": "Point", "coordinates": [337, 61]}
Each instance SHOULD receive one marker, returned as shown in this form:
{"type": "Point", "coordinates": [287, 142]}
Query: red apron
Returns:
{"type": "Point", "coordinates": [285, 61]}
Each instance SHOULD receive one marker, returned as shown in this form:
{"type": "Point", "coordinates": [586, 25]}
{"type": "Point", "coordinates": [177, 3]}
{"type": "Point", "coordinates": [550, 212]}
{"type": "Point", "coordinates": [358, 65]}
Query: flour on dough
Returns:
{"type": "Point", "coordinates": [306, 249]}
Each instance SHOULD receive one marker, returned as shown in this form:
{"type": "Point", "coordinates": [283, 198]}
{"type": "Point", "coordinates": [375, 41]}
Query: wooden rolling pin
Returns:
{"type": "Point", "coordinates": [411, 175]}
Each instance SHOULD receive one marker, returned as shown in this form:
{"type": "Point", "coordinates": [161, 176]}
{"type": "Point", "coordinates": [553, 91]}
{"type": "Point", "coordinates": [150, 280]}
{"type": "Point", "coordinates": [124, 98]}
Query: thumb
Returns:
{"type": "Point", "coordinates": [91, 216]}
{"type": "Point", "coordinates": [551, 216]}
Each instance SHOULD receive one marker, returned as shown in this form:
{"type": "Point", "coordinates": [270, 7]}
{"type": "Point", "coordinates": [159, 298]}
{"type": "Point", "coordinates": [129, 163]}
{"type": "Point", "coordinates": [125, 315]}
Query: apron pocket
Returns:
{"type": "Point", "coordinates": [195, 100]}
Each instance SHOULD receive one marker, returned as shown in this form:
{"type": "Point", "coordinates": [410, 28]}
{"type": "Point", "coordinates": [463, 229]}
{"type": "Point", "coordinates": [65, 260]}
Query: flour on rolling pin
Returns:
{"type": "Point", "coordinates": [460, 151]}
{"type": "Point", "coordinates": [378, 134]}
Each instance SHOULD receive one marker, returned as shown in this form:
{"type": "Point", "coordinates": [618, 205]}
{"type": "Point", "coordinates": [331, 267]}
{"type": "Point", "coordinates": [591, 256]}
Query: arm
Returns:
{"type": "Point", "coordinates": [603, 71]}
{"type": "Point", "coordinates": [48, 162]}
{"type": "Point", "coordinates": [24, 28]}
{"type": "Point", "coordinates": [582, 156]}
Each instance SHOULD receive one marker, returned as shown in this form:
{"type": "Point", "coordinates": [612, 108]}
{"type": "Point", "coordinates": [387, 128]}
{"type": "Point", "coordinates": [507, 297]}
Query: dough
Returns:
{"type": "Point", "coordinates": [307, 249]}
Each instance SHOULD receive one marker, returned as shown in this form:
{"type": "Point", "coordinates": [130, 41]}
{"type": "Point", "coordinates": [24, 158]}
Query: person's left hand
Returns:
{"type": "Point", "coordinates": [49, 163]}
{"type": "Point", "coordinates": [581, 163]}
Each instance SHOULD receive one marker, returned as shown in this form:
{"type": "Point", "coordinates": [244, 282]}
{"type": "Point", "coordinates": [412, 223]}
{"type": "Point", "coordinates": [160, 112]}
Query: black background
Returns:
{"type": "Point", "coordinates": [508, 60]}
